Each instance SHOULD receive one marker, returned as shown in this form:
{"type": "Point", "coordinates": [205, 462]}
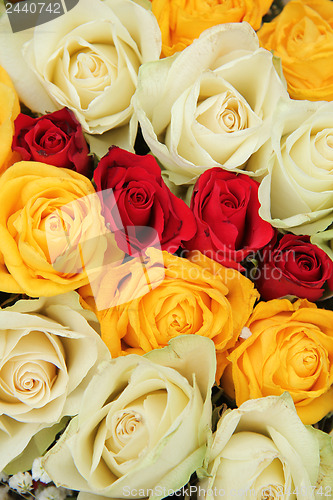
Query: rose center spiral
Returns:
{"type": "Point", "coordinates": [89, 65]}
{"type": "Point", "coordinates": [27, 381]}
{"type": "Point", "coordinates": [270, 492]}
{"type": "Point", "coordinates": [127, 422]}
{"type": "Point", "coordinates": [222, 113]}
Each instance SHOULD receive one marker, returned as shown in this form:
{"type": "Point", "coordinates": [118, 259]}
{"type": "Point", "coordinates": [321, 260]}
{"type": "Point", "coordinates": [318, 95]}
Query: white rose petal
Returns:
{"type": "Point", "coordinates": [324, 240]}
{"type": "Point", "coordinates": [4, 493]}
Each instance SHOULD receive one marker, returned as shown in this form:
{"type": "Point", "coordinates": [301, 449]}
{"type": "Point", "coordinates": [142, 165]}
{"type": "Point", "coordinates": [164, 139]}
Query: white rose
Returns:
{"type": "Point", "coordinates": [297, 193]}
{"type": "Point", "coordinates": [262, 450]}
{"type": "Point", "coordinates": [49, 353]}
{"type": "Point", "coordinates": [87, 60]}
{"type": "Point", "coordinates": [143, 424]}
{"type": "Point", "coordinates": [210, 105]}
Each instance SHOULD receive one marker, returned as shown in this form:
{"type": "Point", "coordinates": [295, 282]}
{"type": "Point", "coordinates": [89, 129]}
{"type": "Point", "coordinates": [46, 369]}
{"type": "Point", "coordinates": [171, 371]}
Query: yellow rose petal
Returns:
{"type": "Point", "coordinates": [9, 109]}
{"type": "Point", "coordinates": [182, 21]}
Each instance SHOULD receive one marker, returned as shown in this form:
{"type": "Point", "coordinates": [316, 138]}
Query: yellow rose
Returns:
{"type": "Point", "coordinates": [181, 21]}
{"type": "Point", "coordinates": [9, 109]}
{"type": "Point", "coordinates": [290, 348]}
{"type": "Point", "coordinates": [197, 296]}
{"type": "Point", "coordinates": [48, 225]}
{"type": "Point", "coordinates": [302, 36]}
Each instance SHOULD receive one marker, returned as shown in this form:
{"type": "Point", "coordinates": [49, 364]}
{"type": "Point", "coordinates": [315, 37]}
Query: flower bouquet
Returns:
{"type": "Point", "coordinates": [166, 248]}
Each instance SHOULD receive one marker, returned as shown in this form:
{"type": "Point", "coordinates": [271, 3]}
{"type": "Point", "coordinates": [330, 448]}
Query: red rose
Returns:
{"type": "Point", "coordinates": [225, 206]}
{"type": "Point", "coordinates": [142, 201]}
{"type": "Point", "coordinates": [56, 139]}
{"type": "Point", "coordinates": [293, 266]}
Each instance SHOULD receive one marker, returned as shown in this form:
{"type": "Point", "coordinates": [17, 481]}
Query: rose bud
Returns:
{"type": "Point", "coordinates": [293, 266]}
{"type": "Point", "coordinates": [141, 199]}
{"type": "Point", "coordinates": [229, 228]}
{"type": "Point", "coordinates": [56, 139]}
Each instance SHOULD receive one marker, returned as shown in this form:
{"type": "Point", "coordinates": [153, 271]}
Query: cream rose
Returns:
{"type": "Point", "coordinates": [49, 352]}
{"type": "Point", "coordinates": [297, 193]}
{"type": "Point", "coordinates": [87, 60]}
{"type": "Point", "coordinates": [262, 450]}
{"type": "Point", "coordinates": [143, 424]}
{"type": "Point", "coordinates": [210, 105]}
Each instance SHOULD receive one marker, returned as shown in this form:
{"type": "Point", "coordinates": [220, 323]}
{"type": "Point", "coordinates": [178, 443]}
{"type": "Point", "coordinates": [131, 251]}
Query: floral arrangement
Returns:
{"type": "Point", "coordinates": [166, 248]}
